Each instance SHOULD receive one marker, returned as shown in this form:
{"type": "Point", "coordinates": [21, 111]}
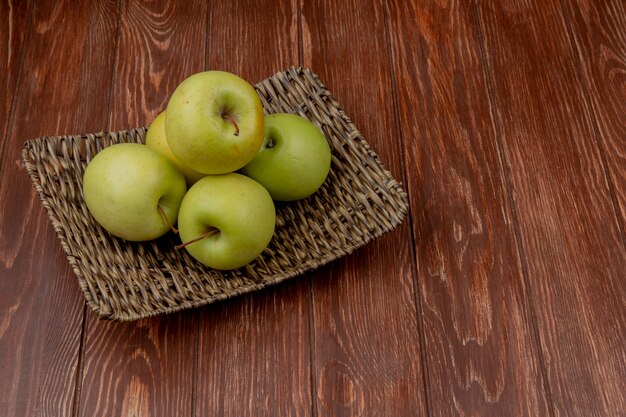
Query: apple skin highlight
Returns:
{"type": "Point", "coordinates": [294, 159]}
{"type": "Point", "coordinates": [214, 122]}
{"type": "Point", "coordinates": [234, 213]}
{"type": "Point", "coordinates": [125, 184]}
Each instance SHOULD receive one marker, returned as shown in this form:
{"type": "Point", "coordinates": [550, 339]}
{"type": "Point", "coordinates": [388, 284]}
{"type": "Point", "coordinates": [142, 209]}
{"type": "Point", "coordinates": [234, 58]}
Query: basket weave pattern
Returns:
{"type": "Point", "coordinates": [122, 280]}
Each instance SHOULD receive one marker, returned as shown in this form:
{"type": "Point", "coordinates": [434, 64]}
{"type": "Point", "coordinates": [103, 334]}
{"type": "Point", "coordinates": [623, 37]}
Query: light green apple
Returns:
{"type": "Point", "coordinates": [293, 161]}
{"type": "Point", "coordinates": [155, 139]}
{"type": "Point", "coordinates": [229, 218]}
{"type": "Point", "coordinates": [214, 122]}
{"type": "Point", "coordinates": [133, 191]}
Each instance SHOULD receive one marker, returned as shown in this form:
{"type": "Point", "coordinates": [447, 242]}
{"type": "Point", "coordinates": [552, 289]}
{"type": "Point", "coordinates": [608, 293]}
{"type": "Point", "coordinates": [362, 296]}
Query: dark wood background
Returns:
{"type": "Point", "coordinates": [503, 292]}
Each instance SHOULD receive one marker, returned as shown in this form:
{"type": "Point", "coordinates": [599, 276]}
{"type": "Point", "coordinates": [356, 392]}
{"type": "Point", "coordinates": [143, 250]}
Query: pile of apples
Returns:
{"type": "Point", "coordinates": [214, 138]}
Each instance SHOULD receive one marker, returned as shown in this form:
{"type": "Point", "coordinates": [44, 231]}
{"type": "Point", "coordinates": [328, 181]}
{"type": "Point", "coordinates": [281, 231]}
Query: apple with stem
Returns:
{"type": "Point", "coordinates": [133, 191]}
{"type": "Point", "coordinates": [293, 161]}
{"type": "Point", "coordinates": [226, 221]}
{"type": "Point", "coordinates": [155, 139]}
{"type": "Point", "coordinates": [214, 122]}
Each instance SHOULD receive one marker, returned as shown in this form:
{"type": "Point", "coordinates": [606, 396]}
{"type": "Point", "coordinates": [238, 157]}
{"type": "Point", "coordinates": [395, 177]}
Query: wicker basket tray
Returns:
{"type": "Point", "coordinates": [127, 281]}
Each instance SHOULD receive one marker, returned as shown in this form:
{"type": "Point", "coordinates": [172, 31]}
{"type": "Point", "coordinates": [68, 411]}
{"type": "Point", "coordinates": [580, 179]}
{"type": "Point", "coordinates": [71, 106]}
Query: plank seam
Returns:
{"type": "Point", "coordinates": [18, 79]}
{"type": "Point", "coordinates": [207, 28]}
{"type": "Point", "coordinates": [194, 389]}
{"type": "Point", "coordinates": [414, 264]}
{"type": "Point", "coordinates": [115, 55]}
{"type": "Point", "coordinates": [81, 357]}
{"type": "Point", "coordinates": [512, 208]}
{"type": "Point", "coordinates": [196, 356]}
{"type": "Point", "coordinates": [598, 137]}
{"type": "Point", "coordinates": [79, 367]}
{"type": "Point", "coordinates": [310, 299]}
{"type": "Point", "coordinates": [300, 38]}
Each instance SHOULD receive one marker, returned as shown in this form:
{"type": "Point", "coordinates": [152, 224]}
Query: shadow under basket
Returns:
{"type": "Point", "coordinates": [121, 280]}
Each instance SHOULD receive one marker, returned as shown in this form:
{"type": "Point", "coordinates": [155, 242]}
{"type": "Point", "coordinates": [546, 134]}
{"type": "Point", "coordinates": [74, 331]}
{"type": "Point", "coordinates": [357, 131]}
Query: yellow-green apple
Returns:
{"type": "Point", "coordinates": [293, 161]}
{"type": "Point", "coordinates": [133, 191]}
{"type": "Point", "coordinates": [214, 122]}
{"type": "Point", "coordinates": [226, 221]}
{"type": "Point", "coordinates": [155, 139]}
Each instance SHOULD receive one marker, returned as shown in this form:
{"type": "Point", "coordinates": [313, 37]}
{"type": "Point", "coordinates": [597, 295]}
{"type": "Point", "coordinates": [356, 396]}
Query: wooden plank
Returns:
{"type": "Point", "coordinates": [480, 350]}
{"type": "Point", "coordinates": [254, 354]}
{"type": "Point", "coordinates": [598, 30]}
{"type": "Point", "coordinates": [367, 347]}
{"type": "Point", "coordinates": [41, 307]}
{"type": "Point", "coordinates": [147, 367]}
{"type": "Point", "coordinates": [574, 253]}
{"type": "Point", "coordinates": [14, 16]}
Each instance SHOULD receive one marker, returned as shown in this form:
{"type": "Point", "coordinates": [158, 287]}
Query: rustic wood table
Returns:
{"type": "Point", "coordinates": [502, 293]}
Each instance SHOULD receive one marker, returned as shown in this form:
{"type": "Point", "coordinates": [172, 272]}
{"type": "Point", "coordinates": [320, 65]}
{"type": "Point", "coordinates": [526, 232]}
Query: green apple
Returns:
{"type": "Point", "coordinates": [226, 221]}
{"type": "Point", "coordinates": [133, 191]}
{"type": "Point", "coordinates": [293, 161]}
{"type": "Point", "coordinates": [214, 122]}
{"type": "Point", "coordinates": [155, 139]}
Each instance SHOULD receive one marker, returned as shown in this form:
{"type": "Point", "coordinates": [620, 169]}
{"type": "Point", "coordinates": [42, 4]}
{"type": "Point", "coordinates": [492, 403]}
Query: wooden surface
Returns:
{"type": "Point", "coordinates": [502, 293]}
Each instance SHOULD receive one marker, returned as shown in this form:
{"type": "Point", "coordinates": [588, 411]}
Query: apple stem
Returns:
{"type": "Point", "coordinates": [206, 234]}
{"type": "Point", "coordinates": [167, 220]}
{"type": "Point", "coordinates": [230, 119]}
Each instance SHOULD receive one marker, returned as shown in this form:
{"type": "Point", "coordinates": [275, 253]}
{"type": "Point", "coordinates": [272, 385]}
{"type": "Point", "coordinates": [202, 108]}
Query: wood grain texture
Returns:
{"type": "Point", "coordinates": [41, 308]}
{"type": "Point", "coordinates": [480, 348]}
{"type": "Point", "coordinates": [160, 44]}
{"type": "Point", "coordinates": [598, 30]}
{"type": "Point", "coordinates": [571, 241]}
{"type": "Point", "coordinates": [141, 369]}
{"type": "Point", "coordinates": [252, 39]}
{"type": "Point", "coordinates": [367, 349]}
{"type": "Point", "coordinates": [505, 122]}
{"type": "Point", "coordinates": [254, 357]}
{"type": "Point", "coordinates": [146, 368]}
{"type": "Point", "coordinates": [14, 17]}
